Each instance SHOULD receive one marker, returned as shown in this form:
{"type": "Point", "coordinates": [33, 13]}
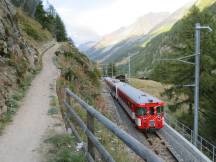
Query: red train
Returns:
{"type": "Point", "coordinates": [147, 111]}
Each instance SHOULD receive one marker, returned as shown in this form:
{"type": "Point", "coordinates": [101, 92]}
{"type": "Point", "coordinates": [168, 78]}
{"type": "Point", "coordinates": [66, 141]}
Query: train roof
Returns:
{"type": "Point", "coordinates": [137, 95]}
{"type": "Point", "coordinates": [113, 81]}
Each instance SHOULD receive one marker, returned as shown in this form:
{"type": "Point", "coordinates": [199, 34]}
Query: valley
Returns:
{"type": "Point", "coordinates": [172, 38]}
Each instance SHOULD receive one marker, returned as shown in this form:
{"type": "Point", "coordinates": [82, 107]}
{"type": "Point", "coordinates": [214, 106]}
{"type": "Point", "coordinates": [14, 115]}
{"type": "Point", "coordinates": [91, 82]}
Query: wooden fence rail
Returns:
{"type": "Point", "coordinates": [69, 112]}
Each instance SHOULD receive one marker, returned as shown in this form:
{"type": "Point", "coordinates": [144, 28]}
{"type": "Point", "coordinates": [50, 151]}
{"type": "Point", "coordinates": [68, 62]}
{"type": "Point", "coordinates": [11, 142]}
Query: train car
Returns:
{"type": "Point", "coordinates": [113, 85]}
{"type": "Point", "coordinates": [147, 111]}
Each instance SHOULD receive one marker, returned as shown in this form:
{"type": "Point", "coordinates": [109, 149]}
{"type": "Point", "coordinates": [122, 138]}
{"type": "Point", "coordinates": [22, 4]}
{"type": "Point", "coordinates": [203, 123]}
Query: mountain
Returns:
{"type": "Point", "coordinates": [81, 35]}
{"type": "Point", "coordinates": [147, 52]}
{"type": "Point", "coordinates": [85, 46]}
{"type": "Point", "coordinates": [106, 51]}
{"type": "Point", "coordinates": [142, 26]}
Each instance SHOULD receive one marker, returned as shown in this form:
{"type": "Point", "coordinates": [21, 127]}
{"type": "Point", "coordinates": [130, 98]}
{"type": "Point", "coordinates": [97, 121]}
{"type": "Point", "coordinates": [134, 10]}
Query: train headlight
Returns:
{"type": "Point", "coordinates": [138, 122]}
{"type": "Point", "coordinates": [133, 115]}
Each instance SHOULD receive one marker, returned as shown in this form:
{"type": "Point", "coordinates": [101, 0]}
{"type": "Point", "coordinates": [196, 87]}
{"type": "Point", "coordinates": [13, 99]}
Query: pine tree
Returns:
{"type": "Point", "coordinates": [41, 15]}
{"type": "Point", "coordinates": [51, 21]}
{"type": "Point", "coordinates": [60, 31]}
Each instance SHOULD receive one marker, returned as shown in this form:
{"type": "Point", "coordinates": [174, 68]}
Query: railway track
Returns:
{"type": "Point", "coordinates": [153, 140]}
{"type": "Point", "coordinates": [159, 146]}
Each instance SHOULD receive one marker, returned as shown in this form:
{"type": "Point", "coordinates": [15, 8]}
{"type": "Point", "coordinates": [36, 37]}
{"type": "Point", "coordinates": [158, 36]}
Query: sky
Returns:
{"type": "Point", "coordinates": [88, 20]}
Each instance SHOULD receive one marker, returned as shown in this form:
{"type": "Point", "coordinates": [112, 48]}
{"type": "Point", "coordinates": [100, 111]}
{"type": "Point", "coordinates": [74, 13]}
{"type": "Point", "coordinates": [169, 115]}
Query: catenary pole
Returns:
{"type": "Point", "coordinates": [197, 81]}
{"type": "Point", "coordinates": [198, 27]}
{"type": "Point", "coordinates": [196, 85]}
{"type": "Point", "coordinates": [129, 68]}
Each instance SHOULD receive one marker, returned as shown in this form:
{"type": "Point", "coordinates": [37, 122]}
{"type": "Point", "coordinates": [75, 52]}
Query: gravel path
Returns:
{"type": "Point", "coordinates": [21, 139]}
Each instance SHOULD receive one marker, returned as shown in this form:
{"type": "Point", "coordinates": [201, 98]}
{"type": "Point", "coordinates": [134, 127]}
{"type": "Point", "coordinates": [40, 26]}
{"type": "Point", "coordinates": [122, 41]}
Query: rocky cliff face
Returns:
{"type": "Point", "coordinates": [18, 59]}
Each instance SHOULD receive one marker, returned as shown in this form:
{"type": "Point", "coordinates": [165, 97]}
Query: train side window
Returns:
{"type": "Point", "coordinates": [151, 111]}
{"type": "Point", "coordinates": [141, 111]}
{"type": "Point", "coordinates": [160, 109]}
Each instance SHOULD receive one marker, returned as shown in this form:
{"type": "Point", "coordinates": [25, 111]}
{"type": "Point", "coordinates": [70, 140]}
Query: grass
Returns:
{"type": "Point", "coordinates": [31, 28]}
{"type": "Point", "coordinates": [113, 144]}
{"type": "Point", "coordinates": [149, 86]}
{"type": "Point", "coordinates": [63, 149]}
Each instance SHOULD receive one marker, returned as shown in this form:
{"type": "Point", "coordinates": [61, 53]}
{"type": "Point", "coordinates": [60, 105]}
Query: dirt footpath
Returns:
{"type": "Point", "coordinates": [23, 136]}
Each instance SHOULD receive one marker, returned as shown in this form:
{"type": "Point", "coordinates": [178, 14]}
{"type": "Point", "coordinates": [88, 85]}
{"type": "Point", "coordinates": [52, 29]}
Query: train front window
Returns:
{"type": "Point", "coordinates": [141, 111]}
{"type": "Point", "coordinates": [151, 111]}
{"type": "Point", "coordinates": [160, 109]}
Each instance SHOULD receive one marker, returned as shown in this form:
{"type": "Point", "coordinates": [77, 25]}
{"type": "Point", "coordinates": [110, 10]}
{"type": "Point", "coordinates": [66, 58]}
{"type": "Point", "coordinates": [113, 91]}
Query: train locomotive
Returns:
{"type": "Point", "coordinates": [145, 110]}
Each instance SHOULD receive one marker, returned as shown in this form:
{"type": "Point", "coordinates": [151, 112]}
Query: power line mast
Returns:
{"type": "Point", "coordinates": [129, 68]}
{"type": "Point", "coordinates": [196, 85]}
{"type": "Point", "coordinates": [197, 78]}
{"type": "Point", "coordinates": [112, 70]}
{"type": "Point", "coordinates": [130, 55]}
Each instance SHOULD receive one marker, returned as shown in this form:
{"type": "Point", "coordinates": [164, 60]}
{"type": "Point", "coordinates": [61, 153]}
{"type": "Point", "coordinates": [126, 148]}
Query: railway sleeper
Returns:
{"type": "Point", "coordinates": [150, 142]}
{"type": "Point", "coordinates": [157, 152]}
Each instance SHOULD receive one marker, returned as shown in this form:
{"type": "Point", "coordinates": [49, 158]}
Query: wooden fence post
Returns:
{"type": "Point", "coordinates": [90, 126]}
{"type": "Point", "coordinates": [61, 96]}
{"type": "Point", "coordinates": [67, 99]}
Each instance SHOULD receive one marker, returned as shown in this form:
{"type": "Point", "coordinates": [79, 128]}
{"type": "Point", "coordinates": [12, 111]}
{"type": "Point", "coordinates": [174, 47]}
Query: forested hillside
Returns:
{"type": "Point", "coordinates": [178, 42]}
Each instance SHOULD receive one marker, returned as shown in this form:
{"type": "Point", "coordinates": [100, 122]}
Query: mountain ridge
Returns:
{"type": "Point", "coordinates": [116, 52]}
{"type": "Point", "coordinates": [123, 33]}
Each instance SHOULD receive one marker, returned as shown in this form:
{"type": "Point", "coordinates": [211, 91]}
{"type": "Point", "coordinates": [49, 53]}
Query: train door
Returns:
{"type": "Point", "coordinates": [160, 110]}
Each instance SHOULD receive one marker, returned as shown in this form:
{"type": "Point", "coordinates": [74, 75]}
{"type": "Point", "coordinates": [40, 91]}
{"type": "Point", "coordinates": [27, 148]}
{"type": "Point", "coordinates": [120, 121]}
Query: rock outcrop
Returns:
{"type": "Point", "coordinates": [17, 57]}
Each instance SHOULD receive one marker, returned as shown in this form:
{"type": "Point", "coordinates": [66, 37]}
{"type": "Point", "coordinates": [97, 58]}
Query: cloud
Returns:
{"type": "Point", "coordinates": [105, 16]}
{"type": "Point", "coordinates": [124, 12]}
{"type": "Point", "coordinates": [81, 34]}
